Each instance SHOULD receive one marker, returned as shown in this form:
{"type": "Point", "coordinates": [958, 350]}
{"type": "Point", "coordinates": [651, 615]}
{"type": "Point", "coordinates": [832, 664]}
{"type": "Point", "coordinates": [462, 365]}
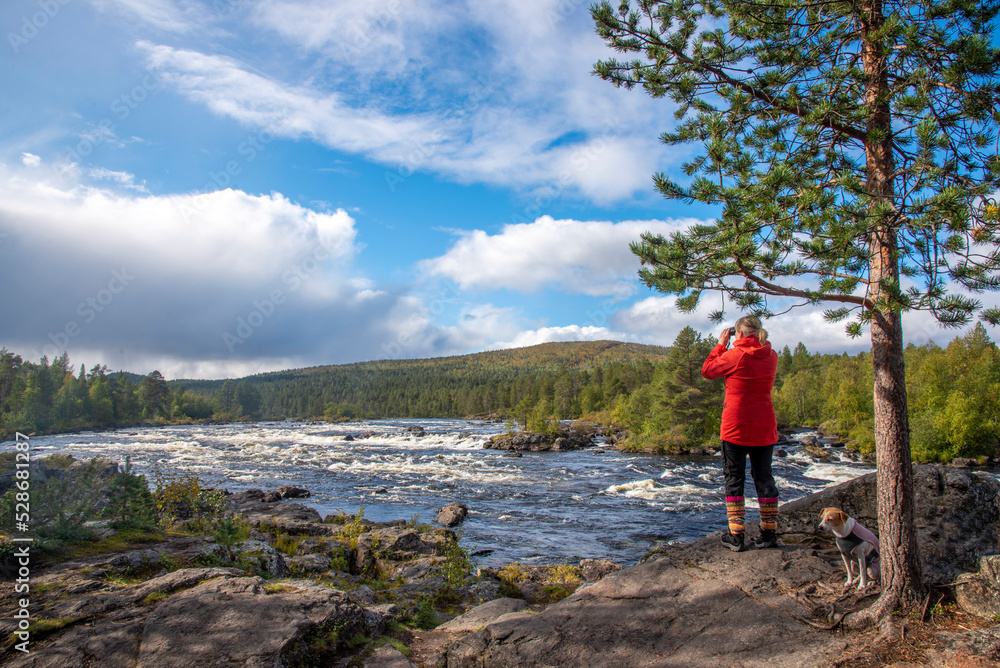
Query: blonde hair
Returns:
{"type": "Point", "coordinates": [750, 324]}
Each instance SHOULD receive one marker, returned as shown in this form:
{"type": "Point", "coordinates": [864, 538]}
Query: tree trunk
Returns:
{"type": "Point", "coordinates": [901, 580]}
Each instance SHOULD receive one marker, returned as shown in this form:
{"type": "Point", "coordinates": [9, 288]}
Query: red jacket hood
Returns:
{"type": "Point", "coordinates": [752, 346]}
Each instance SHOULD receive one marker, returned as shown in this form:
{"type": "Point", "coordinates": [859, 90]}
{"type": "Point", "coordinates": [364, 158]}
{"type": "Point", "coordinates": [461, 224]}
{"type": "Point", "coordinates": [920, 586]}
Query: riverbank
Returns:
{"type": "Point", "coordinates": [268, 581]}
{"type": "Point", "coordinates": [200, 576]}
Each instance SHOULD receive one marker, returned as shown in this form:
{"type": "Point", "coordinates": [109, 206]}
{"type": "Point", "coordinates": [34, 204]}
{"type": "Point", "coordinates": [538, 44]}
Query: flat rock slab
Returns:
{"type": "Point", "coordinates": [481, 615]}
{"type": "Point", "coordinates": [200, 617]}
{"type": "Point", "coordinates": [388, 656]}
{"type": "Point", "coordinates": [702, 606]}
{"type": "Point", "coordinates": [235, 621]}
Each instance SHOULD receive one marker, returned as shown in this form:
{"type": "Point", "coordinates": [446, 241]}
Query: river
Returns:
{"type": "Point", "coordinates": [538, 508]}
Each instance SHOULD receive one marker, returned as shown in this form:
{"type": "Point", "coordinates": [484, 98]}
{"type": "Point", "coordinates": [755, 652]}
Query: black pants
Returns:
{"type": "Point", "coordinates": [734, 468]}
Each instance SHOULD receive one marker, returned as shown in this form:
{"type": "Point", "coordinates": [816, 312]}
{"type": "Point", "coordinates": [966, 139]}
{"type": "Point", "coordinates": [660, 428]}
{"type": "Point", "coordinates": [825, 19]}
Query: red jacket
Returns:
{"type": "Point", "coordinates": [748, 413]}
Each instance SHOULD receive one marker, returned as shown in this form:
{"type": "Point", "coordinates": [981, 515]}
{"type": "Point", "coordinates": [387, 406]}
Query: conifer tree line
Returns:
{"type": "Point", "coordinates": [656, 394]}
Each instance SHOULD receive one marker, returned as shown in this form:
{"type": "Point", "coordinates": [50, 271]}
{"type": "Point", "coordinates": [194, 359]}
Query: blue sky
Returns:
{"type": "Point", "coordinates": [220, 187]}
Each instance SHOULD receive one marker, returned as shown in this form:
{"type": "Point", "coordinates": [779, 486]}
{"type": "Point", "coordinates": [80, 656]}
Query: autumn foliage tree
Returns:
{"type": "Point", "coordinates": [851, 148]}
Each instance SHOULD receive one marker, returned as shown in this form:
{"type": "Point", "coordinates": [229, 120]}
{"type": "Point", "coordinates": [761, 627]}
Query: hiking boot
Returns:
{"type": "Point", "coordinates": [768, 538]}
{"type": "Point", "coordinates": [733, 541]}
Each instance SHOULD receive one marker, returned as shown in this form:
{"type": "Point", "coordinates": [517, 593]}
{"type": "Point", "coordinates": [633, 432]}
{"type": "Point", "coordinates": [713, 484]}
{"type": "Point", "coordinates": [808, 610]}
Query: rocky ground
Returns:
{"type": "Point", "coordinates": [301, 590]}
{"type": "Point", "coordinates": [701, 605]}
{"type": "Point", "coordinates": [295, 590]}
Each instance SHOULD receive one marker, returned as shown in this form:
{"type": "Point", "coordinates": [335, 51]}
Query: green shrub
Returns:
{"type": "Point", "coordinates": [352, 528]}
{"type": "Point", "coordinates": [338, 561]}
{"type": "Point", "coordinates": [557, 592]}
{"type": "Point", "coordinates": [513, 573]}
{"type": "Point", "coordinates": [231, 530]}
{"type": "Point", "coordinates": [130, 504]}
{"type": "Point", "coordinates": [457, 566]}
{"type": "Point", "coordinates": [418, 526]}
{"type": "Point", "coordinates": [564, 574]}
{"type": "Point", "coordinates": [424, 616]}
{"type": "Point", "coordinates": [287, 544]}
{"type": "Point", "coordinates": [357, 640]}
{"type": "Point", "coordinates": [179, 497]}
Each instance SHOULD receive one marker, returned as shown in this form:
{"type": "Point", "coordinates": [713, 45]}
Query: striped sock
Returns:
{"type": "Point", "coordinates": [735, 512]}
{"type": "Point", "coordinates": [768, 514]}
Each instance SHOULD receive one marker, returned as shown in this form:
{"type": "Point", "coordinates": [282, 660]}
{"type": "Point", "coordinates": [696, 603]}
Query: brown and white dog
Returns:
{"type": "Point", "coordinates": [858, 546]}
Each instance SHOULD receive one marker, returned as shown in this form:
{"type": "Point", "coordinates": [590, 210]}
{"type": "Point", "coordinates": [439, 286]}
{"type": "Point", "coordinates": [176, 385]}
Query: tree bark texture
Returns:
{"type": "Point", "coordinates": [901, 579]}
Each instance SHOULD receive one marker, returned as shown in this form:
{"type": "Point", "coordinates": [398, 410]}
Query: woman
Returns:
{"type": "Point", "coordinates": [749, 428]}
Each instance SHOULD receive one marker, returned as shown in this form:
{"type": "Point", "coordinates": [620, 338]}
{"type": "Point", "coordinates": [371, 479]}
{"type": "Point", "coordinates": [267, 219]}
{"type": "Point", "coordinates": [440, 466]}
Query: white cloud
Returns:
{"type": "Point", "coordinates": [212, 285]}
{"type": "Point", "coordinates": [228, 235]}
{"type": "Point", "coordinates": [377, 38]}
{"type": "Point", "coordinates": [30, 159]}
{"type": "Point", "coordinates": [167, 276]}
{"type": "Point", "coordinates": [123, 179]}
{"type": "Point", "coordinates": [657, 320]}
{"type": "Point", "coordinates": [175, 16]}
{"type": "Point", "coordinates": [565, 333]}
{"type": "Point", "coordinates": [498, 93]}
{"type": "Point", "coordinates": [228, 89]}
{"type": "Point", "coordinates": [588, 257]}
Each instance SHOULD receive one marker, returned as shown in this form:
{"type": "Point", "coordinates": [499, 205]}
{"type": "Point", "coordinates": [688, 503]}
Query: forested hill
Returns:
{"type": "Point", "coordinates": [657, 394]}
{"type": "Point", "coordinates": [486, 382]}
{"type": "Point", "coordinates": [571, 355]}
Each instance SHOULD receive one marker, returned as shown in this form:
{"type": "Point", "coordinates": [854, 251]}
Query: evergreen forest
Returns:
{"type": "Point", "coordinates": [656, 394]}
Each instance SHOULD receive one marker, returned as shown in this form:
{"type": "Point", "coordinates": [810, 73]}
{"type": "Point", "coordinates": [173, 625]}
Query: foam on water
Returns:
{"type": "Point", "coordinates": [447, 469]}
{"type": "Point", "coordinates": [835, 473]}
{"type": "Point", "coordinates": [631, 487]}
{"type": "Point", "coordinates": [671, 497]}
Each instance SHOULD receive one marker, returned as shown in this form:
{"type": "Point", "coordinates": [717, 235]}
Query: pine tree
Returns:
{"type": "Point", "coordinates": [690, 401]}
{"type": "Point", "coordinates": [126, 405]}
{"type": "Point", "coordinates": [227, 399]}
{"type": "Point", "coordinates": [154, 394]}
{"type": "Point", "coordinates": [249, 401]}
{"type": "Point", "coordinates": [851, 150]}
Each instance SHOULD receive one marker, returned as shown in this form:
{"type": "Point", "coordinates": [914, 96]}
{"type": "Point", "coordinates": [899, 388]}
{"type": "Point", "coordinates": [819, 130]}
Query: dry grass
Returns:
{"type": "Point", "coordinates": [912, 638]}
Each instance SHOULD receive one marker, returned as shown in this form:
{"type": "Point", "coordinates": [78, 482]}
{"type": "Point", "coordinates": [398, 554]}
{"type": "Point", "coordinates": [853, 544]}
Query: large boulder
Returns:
{"type": "Point", "coordinates": [522, 440]}
{"type": "Point", "coordinates": [178, 580]}
{"type": "Point", "coordinates": [453, 514]}
{"type": "Point", "coordinates": [290, 518]}
{"type": "Point", "coordinates": [293, 492]}
{"type": "Point", "coordinates": [979, 593]}
{"type": "Point", "coordinates": [481, 615]}
{"type": "Point", "coordinates": [309, 564]}
{"type": "Point", "coordinates": [135, 561]}
{"type": "Point", "coordinates": [260, 557]}
{"type": "Point", "coordinates": [394, 551]}
{"type": "Point", "coordinates": [525, 440]}
{"type": "Point", "coordinates": [595, 569]}
{"type": "Point", "coordinates": [957, 515]}
{"type": "Point", "coordinates": [566, 439]}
